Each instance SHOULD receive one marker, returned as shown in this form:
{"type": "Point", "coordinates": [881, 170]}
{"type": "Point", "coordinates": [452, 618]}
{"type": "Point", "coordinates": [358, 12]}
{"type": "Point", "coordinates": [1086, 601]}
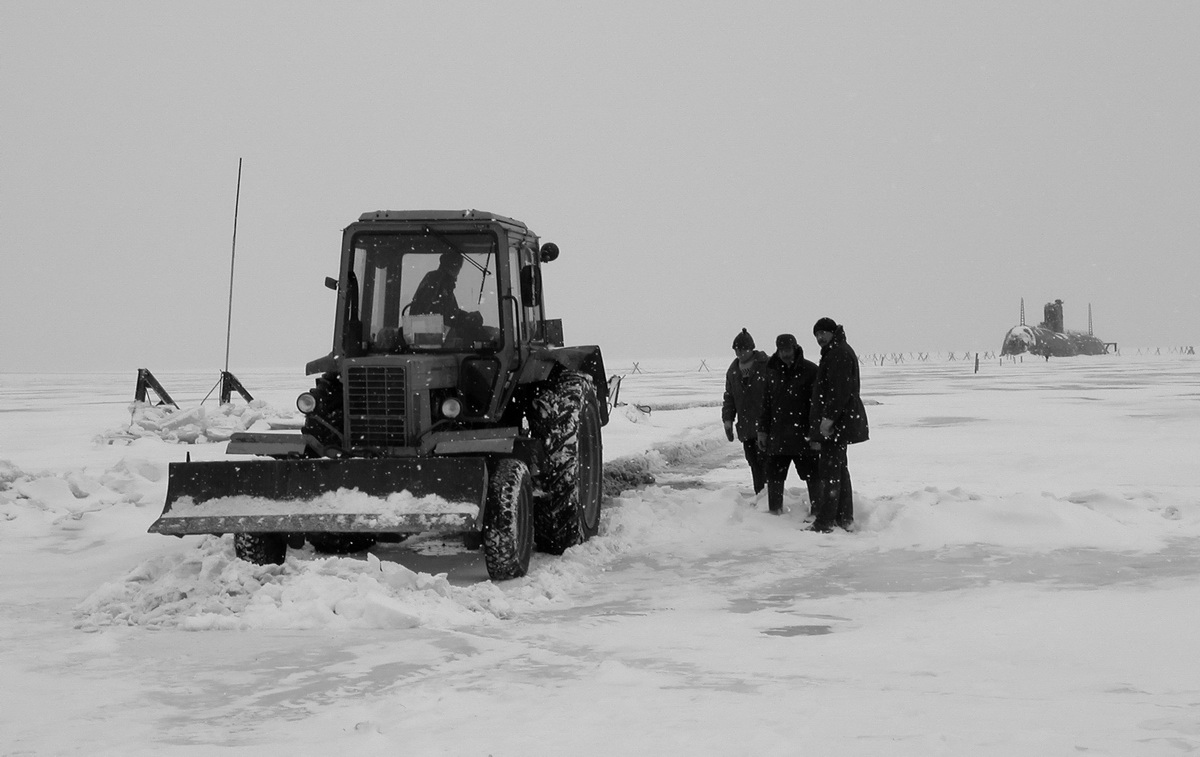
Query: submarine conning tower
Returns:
{"type": "Point", "coordinates": [1053, 314]}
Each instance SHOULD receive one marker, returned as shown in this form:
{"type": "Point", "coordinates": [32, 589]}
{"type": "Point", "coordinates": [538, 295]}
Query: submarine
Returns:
{"type": "Point", "coordinates": [1050, 339]}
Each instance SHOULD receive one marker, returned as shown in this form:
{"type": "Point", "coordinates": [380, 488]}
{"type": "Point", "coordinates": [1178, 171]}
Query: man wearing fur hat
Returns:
{"type": "Point", "coordinates": [744, 382]}
{"type": "Point", "coordinates": [837, 419]}
{"type": "Point", "coordinates": [783, 426]}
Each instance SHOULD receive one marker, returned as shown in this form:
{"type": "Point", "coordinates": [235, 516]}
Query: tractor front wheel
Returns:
{"type": "Point", "coordinates": [566, 415]}
{"type": "Point", "coordinates": [508, 521]}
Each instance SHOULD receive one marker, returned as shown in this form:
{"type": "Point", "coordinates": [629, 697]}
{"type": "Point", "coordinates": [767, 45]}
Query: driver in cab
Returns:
{"type": "Point", "coordinates": [435, 295]}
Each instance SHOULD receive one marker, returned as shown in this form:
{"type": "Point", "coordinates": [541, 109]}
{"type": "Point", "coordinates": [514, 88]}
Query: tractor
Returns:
{"type": "Point", "coordinates": [448, 404]}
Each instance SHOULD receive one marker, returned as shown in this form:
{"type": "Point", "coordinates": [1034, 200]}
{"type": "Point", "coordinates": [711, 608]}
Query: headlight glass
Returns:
{"type": "Point", "coordinates": [306, 403]}
{"type": "Point", "coordinates": [451, 407]}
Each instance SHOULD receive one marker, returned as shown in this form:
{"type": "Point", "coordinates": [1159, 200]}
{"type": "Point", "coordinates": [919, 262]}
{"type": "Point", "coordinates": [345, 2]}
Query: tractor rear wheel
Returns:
{"type": "Point", "coordinates": [566, 416]}
{"type": "Point", "coordinates": [260, 549]}
{"type": "Point", "coordinates": [508, 521]}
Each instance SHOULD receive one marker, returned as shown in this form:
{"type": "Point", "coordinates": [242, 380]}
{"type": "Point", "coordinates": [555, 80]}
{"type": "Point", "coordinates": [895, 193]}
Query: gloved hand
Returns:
{"type": "Point", "coordinates": [762, 440]}
{"type": "Point", "coordinates": [826, 427]}
{"type": "Point", "coordinates": [729, 431]}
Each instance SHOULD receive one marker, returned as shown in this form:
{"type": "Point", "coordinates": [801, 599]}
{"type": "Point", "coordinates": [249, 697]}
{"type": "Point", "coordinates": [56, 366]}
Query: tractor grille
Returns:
{"type": "Point", "coordinates": [376, 404]}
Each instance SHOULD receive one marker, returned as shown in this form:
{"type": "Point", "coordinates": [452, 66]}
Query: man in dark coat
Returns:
{"type": "Point", "coordinates": [837, 418]}
{"type": "Point", "coordinates": [744, 383]}
{"type": "Point", "coordinates": [435, 295]}
{"type": "Point", "coordinates": [783, 425]}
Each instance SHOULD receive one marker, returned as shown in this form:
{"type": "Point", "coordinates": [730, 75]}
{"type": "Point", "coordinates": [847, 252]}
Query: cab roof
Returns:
{"type": "Point", "coordinates": [439, 215]}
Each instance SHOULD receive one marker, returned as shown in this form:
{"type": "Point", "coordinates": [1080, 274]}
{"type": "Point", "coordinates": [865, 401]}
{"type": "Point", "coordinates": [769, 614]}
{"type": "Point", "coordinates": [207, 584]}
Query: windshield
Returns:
{"type": "Point", "coordinates": [424, 291]}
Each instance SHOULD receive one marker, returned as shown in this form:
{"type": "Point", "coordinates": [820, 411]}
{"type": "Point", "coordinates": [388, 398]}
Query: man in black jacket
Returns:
{"type": "Point", "coordinates": [744, 383]}
{"type": "Point", "coordinates": [837, 419]}
{"type": "Point", "coordinates": [783, 425]}
{"type": "Point", "coordinates": [435, 295]}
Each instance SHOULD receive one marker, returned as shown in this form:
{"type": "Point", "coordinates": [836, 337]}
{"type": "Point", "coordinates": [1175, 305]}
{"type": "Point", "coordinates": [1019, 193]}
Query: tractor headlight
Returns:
{"type": "Point", "coordinates": [306, 403]}
{"type": "Point", "coordinates": [451, 407]}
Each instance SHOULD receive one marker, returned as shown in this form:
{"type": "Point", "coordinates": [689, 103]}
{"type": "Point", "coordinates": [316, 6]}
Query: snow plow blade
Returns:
{"type": "Point", "coordinates": [357, 495]}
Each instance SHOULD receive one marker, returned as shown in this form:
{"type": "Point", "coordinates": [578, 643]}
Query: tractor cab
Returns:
{"type": "Point", "coordinates": [436, 285]}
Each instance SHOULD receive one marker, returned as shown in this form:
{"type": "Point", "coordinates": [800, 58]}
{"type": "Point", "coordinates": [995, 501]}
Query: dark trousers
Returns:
{"type": "Point", "coordinates": [757, 461]}
{"type": "Point", "coordinates": [777, 472]}
{"type": "Point", "coordinates": [836, 498]}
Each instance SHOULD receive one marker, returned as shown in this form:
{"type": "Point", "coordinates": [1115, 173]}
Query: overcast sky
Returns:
{"type": "Point", "coordinates": [911, 170]}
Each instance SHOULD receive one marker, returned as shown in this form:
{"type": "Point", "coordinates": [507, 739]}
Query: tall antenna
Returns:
{"type": "Point", "coordinates": [228, 382]}
{"type": "Point", "coordinates": [1090, 320]}
{"type": "Point", "coordinates": [1022, 311]}
{"type": "Point", "coordinates": [237, 198]}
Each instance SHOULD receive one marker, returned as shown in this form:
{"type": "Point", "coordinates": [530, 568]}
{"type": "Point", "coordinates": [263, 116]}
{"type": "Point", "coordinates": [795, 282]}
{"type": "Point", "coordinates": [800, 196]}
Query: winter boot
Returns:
{"type": "Point", "coordinates": [814, 495]}
{"type": "Point", "coordinates": [826, 507]}
{"type": "Point", "coordinates": [775, 497]}
{"type": "Point", "coordinates": [845, 506]}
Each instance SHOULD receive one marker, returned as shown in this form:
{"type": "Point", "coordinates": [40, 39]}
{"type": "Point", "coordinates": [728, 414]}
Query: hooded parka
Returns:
{"type": "Point", "coordinates": [836, 394]}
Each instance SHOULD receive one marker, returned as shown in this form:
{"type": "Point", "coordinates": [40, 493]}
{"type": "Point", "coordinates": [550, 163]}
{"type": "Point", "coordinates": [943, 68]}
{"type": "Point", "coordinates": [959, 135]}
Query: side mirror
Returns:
{"type": "Point", "coordinates": [549, 252]}
{"type": "Point", "coordinates": [331, 283]}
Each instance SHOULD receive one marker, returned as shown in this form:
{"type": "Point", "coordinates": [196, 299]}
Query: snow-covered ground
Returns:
{"type": "Point", "coordinates": [1024, 581]}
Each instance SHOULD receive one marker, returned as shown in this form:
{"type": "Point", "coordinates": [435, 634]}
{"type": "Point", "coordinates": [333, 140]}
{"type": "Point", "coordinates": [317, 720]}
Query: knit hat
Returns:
{"type": "Point", "coordinates": [743, 341]}
{"type": "Point", "coordinates": [825, 324]}
{"type": "Point", "coordinates": [785, 340]}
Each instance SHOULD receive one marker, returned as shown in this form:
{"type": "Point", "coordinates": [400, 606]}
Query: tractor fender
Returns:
{"type": "Point", "coordinates": [324, 364]}
{"type": "Point", "coordinates": [543, 364]}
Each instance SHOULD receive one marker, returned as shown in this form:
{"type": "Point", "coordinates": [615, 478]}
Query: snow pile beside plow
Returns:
{"type": "Point", "coordinates": [70, 494]}
{"type": "Point", "coordinates": [198, 425]}
{"type": "Point", "coordinates": [210, 589]}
